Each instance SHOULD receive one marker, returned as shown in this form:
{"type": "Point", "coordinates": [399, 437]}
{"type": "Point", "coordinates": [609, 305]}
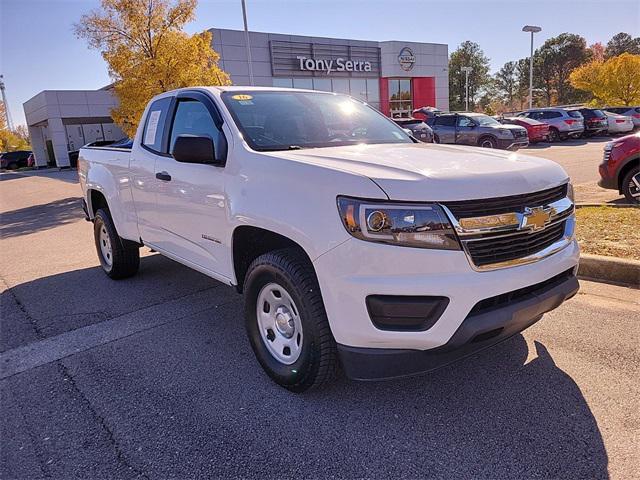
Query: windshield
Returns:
{"type": "Point", "coordinates": [485, 120]}
{"type": "Point", "coordinates": [287, 120]}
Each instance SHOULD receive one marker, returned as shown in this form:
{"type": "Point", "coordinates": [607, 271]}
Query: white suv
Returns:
{"type": "Point", "coordinates": [562, 123]}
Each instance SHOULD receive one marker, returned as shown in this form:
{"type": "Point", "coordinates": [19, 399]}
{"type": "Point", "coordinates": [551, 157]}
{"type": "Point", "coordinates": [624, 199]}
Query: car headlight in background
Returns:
{"type": "Point", "coordinates": [409, 225]}
{"type": "Point", "coordinates": [504, 133]}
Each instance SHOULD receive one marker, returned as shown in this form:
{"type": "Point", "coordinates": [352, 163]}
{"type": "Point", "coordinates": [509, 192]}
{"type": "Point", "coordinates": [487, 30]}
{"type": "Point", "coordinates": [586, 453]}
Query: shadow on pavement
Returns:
{"type": "Point", "coordinates": [40, 217]}
{"type": "Point", "coordinates": [189, 399]}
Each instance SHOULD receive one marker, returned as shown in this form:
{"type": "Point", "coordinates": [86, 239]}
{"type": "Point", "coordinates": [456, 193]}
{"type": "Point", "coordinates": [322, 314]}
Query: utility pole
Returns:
{"type": "Point", "coordinates": [246, 34]}
{"type": "Point", "coordinates": [7, 112]}
{"type": "Point", "coordinates": [532, 29]}
{"type": "Point", "coordinates": [467, 71]}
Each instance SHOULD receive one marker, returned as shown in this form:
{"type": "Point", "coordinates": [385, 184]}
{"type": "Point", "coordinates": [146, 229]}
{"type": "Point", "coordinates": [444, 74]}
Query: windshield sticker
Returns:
{"type": "Point", "coordinates": [245, 102]}
{"type": "Point", "coordinates": [152, 127]}
{"type": "Point", "coordinates": [242, 97]}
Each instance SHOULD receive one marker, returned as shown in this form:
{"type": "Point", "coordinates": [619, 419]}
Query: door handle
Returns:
{"type": "Point", "coordinates": [163, 176]}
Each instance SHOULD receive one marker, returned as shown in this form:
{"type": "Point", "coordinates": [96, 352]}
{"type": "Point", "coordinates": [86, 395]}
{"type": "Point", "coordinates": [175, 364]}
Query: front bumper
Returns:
{"type": "Point", "coordinates": [509, 144]}
{"type": "Point", "coordinates": [479, 330]}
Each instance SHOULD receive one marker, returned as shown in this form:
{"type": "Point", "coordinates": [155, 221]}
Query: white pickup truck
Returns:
{"type": "Point", "coordinates": [353, 243]}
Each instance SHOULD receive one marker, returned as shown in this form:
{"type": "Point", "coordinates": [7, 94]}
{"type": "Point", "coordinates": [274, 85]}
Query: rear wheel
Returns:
{"type": "Point", "coordinates": [119, 258]}
{"type": "Point", "coordinates": [286, 321]}
{"type": "Point", "coordinates": [554, 136]}
{"type": "Point", "coordinates": [631, 185]}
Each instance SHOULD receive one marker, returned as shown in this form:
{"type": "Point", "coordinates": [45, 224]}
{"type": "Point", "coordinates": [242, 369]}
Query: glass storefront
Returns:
{"type": "Point", "coordinates": [400, 98]}
{"type": "Point", "coordinates": [366, 89]}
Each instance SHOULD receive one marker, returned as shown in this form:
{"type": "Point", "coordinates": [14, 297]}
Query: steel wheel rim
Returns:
{"type": "Point", "coordinates": [634, 186]}
{"type": "Point", "coordinates": [279, 323]}
{"type": "Point", "coordinates": [105, 246]}
{"type": "Point", "coordinates": [487, 144]}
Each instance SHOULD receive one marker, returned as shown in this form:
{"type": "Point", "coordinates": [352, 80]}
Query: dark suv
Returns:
{"type": "Point", "coordinates": [13, 160]}
{"type": "Point", "coordinates": [477, 129]}
{"type": "Point", "coordinates": [595, 121]}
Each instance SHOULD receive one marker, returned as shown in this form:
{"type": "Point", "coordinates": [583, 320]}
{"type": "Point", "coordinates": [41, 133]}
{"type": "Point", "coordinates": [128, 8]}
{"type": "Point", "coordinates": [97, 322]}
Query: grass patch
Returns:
{"type": "Point", "coordinates": [614, 232]}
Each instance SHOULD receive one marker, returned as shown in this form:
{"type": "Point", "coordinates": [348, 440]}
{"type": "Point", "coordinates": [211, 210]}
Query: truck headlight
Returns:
{"type": "Point", "coordinates": [504, 133]}
{"type": "Point", "coordinates": [405, 224]}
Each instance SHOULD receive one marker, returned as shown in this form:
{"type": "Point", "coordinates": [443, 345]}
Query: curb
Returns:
{"type": "Point", "coordinates": [613, 205]}
{"type": "Point", "coordinates": [610, 269]}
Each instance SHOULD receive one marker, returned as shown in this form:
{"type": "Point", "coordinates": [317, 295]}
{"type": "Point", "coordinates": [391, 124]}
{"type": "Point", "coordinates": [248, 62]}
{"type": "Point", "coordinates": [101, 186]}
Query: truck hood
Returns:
{"type": "Point", "coordinates": [430, 172]}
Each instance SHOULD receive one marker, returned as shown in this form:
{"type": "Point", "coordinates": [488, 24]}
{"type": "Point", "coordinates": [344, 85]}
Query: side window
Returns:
{"type": "Point", "coordinates": [552, 115]}
{"type": "Point", "coordinates": [446, 121]}
{"type": "Point", "coordinates": [465, 122]}
{"type": "Point", "coordinates": [154, 124]}
{"type": "Point", "coordinates": [193, 118]}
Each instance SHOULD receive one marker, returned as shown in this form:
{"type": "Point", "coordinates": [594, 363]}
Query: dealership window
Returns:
{"type": "Point", "coordinates": [366, 89]}
{"type": "Point", "coordinates": [322, 84]}
{"type": "Point", "coordinates": [400, 98]}
{"type": "Point", "coordinates": [283, 82]}
{"type": "Point", "coordinates": [303, 83]}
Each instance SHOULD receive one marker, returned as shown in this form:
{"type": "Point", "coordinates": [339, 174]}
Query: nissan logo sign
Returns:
{"type": "Point", "coordinates": [406, 59]}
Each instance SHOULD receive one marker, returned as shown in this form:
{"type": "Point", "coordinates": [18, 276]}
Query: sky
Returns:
{"type": "Point", "coordinates": [38, 50]}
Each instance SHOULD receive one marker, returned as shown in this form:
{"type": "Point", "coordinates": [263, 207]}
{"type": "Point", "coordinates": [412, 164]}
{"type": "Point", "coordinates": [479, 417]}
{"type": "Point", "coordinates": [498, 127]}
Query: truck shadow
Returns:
{"type": "Point", "coordinates": [40, 217]}
{"type": "Point", "coordinates": [494, 415]}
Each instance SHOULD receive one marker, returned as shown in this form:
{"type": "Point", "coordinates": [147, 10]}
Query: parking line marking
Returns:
{"type": "Point", "coordinates": [48, 350]}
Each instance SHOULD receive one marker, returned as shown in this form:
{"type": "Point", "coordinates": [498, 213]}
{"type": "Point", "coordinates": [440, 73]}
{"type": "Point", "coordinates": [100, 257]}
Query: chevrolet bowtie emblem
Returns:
{"type": "Point", "coordinates": [535, 218]}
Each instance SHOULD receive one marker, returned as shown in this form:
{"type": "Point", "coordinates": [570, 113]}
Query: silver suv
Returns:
{"type": "Point", "coordinates": [562, 123]}
{"type": "Point", "coordinates": [477, 129]}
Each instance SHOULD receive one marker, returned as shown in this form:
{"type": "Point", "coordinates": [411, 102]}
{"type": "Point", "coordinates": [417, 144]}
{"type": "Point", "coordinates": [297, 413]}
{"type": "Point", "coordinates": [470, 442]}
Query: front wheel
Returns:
{"type": "Point", "coordinates": [286, 321]}
{"type": "Point", "coordinates": [631, 185]}
{"type": "Point", "coordinates": [119, 258]}
{"type": "Point", "coordinates": [488, 142]}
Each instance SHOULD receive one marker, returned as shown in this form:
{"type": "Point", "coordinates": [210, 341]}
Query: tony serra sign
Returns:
{"type": "Point", "coordinates": [329, 65]}
{"type": "Point", "coordinates": [310, 59]}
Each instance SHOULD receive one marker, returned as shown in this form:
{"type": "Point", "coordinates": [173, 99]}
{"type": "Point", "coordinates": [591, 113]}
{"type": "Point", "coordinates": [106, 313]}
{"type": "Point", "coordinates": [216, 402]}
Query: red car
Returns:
{"type": "Point", "coordinates": [538, 131]}
{"type": "Point", "coordinates": [621, 165]}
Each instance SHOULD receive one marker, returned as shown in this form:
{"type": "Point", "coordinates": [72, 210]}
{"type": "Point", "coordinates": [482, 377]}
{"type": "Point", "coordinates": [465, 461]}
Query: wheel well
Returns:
{"type": "Point", "coordinates": [98, 201]}
{"type": "Point", "coordinates": [486, 135]}
{"type": "Point", "coordinates": [624, 170]}
{"type": "Point", "coordinates": [251, 242]}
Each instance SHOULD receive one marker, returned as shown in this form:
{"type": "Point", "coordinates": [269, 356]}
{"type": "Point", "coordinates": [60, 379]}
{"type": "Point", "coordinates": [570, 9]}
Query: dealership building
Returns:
{"type": "Point", "coordinates": [393, 76]}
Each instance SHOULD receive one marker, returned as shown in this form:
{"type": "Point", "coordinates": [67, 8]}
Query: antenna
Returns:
{"type": "Point", "coordinates": [7, 112]}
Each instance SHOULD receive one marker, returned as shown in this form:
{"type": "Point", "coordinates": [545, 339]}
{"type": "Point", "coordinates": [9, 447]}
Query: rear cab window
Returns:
{"type": "Point", "coordinates": [153, 133]}
{"type": "Point", "coordinates": [446, 121]}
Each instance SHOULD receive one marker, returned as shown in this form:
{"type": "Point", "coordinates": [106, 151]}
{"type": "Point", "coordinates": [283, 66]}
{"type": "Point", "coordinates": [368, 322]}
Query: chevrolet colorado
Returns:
{"type": "Point", "coordinates": [352, 243]}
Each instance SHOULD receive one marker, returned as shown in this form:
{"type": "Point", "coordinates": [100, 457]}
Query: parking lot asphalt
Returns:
{"type": "Point", "coordinates": [152, 377]}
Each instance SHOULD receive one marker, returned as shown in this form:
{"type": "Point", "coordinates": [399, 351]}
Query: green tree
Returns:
{"type": "Point", "coordinates": [506, 83]}
{"type": "Point", "coordinates": [622, 43]}
{"type": "Point", "coordinates": [468, 54]}
{"type": "Point", "coordinates": [553, 63]}
{"type": "Point", "coordinates": [147, 51]}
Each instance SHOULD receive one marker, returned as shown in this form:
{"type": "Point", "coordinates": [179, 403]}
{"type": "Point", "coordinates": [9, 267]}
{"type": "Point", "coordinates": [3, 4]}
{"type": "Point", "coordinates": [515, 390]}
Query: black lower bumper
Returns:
{"type": "Point", "coordinates": [608, 183]}
{"type": "Point", "coordinates": [480, 330]}
{"type": "Point", "coordinates": [85, 210]}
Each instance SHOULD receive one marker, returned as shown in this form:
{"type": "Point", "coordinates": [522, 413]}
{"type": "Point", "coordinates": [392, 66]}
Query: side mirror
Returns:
{"type": "Point", "coordinates": [194, 149]}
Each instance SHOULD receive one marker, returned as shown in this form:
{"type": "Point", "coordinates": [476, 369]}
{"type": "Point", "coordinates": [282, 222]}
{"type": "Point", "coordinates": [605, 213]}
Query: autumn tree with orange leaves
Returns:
{"type": "Point", "coordinates": [147, 51]}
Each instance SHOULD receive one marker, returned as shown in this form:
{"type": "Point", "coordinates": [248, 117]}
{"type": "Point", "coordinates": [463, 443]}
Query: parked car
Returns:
{"type": "Point", "coordinates": [563, 123]}
{"type": "Point", "coordinates": [620, 166]}
{"type": "Point", "coordinates": [418, 128]}
{"type": "Point", "coordinates": [13, 160]}
{"type": "Point", "coordinates": [618, 123]}
{"type": "Point", "coordinates": [633, 112]}
{"type": "Point", "coordinates": [477, 129]}
{"type": "Point", "coordinates": [595, 121]}
{"type": "Point", "coordinates": [537, 131]}
{"type": "Point", "coordinates": [367, 248]}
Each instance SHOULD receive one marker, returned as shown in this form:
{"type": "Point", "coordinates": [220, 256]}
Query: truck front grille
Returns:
{"type": "Point", "coordinates": [487, 251]}
{"type": "Point", "coordinates": [514, 203]}
{"type": "Point", "coordinates": [505, 231]}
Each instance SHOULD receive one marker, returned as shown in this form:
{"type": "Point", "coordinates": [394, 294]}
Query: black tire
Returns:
{"type": "Point", "coordinates": [124, 254]}
{"type": "Point", "coordinates": [12, 166]}
{"type": "Point", "coordinates": [318, 358]}
{"type": "Point", "coordinates": [436, 139]}
{"type": "Point", "coordinates": [554, 135]}
{"type": "Point", "coordinates": [629, 188]}
{"type": "Point", "coordinates": [487, 142]}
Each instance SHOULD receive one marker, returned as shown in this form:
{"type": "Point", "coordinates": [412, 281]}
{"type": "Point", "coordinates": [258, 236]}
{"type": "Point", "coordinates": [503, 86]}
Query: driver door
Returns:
{"type": "Point", "coordinates": [191, 198]}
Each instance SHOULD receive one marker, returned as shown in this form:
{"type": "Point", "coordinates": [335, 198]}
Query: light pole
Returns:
{"type": "Point", "coordinates": [246, 34]}
{"type": "Point", "coordinates": [532, 29]}
{"type": "Point", "coordinates": [467, 71]}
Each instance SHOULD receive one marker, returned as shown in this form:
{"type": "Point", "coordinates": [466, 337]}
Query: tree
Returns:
{"type": "Point", "coordinates": [615, 81]}
{"type": "Point", "coordinates": [468, 54]}
{"type": "Point", "coordinates": [553, 63]}
{"type": "Point", "coordinates": [10, 141]}
{"type": "Point", "coordinates": [622, 43]}
{"type": "Point", "coordinates": [506, 83]}
{"type": "Point", "coordinates": [148, 53]}
{"type": "Point", "coordinates": [597, 51]}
